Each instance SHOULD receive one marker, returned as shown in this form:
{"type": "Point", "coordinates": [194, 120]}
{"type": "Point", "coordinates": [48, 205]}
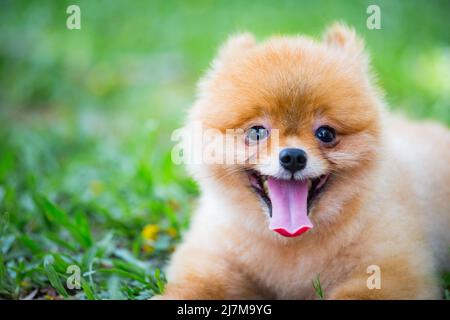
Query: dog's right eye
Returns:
{"type": "Point", "coordinates": [326, 134]}
{"type": "Point", "coordinates": [256, 134]}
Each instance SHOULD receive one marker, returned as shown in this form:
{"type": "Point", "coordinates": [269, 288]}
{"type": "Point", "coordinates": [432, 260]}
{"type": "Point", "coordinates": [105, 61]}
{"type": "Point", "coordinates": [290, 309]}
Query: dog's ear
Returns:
{"type": "Point", "coordinates": [345, 39]}
{"type": "Point", "coordinates": [236, 45]}
{"type": "Point", "coordinates": [342, 36]}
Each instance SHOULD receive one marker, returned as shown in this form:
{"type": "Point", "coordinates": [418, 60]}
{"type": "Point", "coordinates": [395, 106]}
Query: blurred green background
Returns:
{"type": "Point", "coordinates": [86, 116]}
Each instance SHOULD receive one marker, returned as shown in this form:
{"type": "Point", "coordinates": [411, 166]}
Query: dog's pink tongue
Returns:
{"type": "Point", "coordinates": [289, 207]}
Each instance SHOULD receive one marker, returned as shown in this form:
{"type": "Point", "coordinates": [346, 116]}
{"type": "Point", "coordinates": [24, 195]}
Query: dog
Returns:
{"type": "Point", "coordinates": [348, 195]}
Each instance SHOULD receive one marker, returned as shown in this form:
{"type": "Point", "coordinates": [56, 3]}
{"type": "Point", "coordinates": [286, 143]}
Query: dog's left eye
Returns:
{"type": "Point", "coordinates": [326, 134]}
{"type": "Point", "coordinates": [256, 134]}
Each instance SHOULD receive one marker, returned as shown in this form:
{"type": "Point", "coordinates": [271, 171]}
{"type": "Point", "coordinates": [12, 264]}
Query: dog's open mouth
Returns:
{"type": "Point", "coordinates": [288, 201]}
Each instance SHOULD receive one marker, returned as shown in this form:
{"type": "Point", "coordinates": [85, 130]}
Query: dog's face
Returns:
{"type": "Point", "coordinates": [306, 121]}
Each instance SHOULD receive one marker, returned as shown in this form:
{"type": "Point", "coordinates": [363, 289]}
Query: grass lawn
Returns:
{"type": "Point", "coordinates": [86, 178]}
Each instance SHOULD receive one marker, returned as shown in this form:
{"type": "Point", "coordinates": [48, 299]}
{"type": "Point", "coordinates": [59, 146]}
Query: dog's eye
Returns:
{"type": "Point", "coordinates": [256, 134]}
{"type": "Point", "coordinates": [326, 134]}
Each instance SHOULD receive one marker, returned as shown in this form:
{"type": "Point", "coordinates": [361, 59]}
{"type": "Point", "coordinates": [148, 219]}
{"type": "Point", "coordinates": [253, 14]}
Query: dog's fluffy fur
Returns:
{"type": "Point", "coordinates": [386, 203]}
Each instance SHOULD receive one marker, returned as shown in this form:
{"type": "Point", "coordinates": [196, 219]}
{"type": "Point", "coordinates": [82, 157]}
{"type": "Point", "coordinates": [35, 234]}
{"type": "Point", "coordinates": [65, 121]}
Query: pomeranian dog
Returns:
{"type": "Point", "coordinates": [347, 195]}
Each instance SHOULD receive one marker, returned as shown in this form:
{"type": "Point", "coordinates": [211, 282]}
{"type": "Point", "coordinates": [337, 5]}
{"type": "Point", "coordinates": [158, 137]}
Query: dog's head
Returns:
{"type": "Point", "coordinates": [298, 124]}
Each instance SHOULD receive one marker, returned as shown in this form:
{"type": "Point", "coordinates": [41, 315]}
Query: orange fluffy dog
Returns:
{"type": "Point", "coordinates": [346, 189]}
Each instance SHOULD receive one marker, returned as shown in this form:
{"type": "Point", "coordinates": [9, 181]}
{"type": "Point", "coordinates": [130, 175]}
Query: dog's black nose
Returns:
{"type": "Point", "coordinates": [293, 159]}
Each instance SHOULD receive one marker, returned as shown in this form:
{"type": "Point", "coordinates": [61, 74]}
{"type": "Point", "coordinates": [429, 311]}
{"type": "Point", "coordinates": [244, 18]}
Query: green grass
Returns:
{"type": "Point", "coordinates": [317, 285]}
{"type": "Point", "coordinates": [86, 118]}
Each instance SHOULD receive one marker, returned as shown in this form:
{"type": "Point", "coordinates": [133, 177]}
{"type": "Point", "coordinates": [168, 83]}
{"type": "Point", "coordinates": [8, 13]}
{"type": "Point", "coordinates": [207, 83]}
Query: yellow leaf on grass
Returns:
{"type": "Point", "coordinates": [150, 232]}
{"type": "Point", "coordinates": [172, 232]}
{"type": "Point", "coordinates": [148, 248]}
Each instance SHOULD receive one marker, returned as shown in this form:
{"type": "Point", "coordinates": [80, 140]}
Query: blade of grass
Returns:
{"type": "Point", "coordinates": [53, 276]}
{"type": "Point", "coordinates": [318, 287]}
{"type": "Point", "coordinates": [124, 273]}
{"type": "Point", "coordinates": [87, 289]}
